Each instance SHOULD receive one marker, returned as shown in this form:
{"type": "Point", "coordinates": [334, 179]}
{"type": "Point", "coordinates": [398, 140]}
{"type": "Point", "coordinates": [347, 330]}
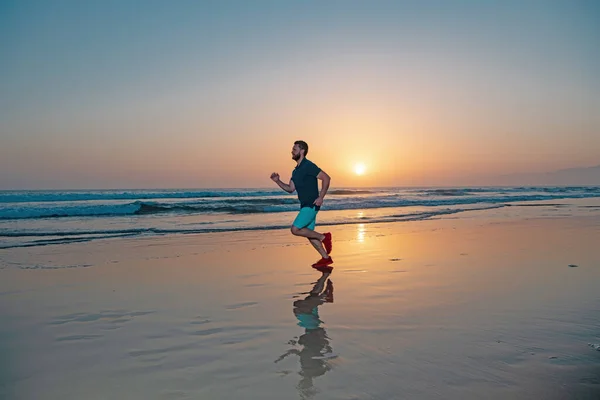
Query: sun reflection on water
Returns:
{"type": "Point", "coordinates": [360, 233]}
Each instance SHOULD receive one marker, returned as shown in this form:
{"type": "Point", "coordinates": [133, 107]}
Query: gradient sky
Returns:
{"type": "Point", "coordinates": [149, 94]}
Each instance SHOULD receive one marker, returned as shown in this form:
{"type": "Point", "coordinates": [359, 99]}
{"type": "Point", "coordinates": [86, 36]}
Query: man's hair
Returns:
{"type": "Point", "coordinates": [303, 145]}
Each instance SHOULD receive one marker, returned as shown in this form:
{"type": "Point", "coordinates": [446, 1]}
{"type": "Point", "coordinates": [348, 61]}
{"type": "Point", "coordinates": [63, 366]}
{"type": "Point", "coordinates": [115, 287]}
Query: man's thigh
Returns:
{"type": "Point", "coordinates": [306, 218]}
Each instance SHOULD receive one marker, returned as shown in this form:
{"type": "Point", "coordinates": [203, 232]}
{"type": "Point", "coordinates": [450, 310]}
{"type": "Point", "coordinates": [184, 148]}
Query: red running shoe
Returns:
{"type": "Point", "coordinates": [327, 242]}
{"type": "Point", "coordinates": [323, 262]}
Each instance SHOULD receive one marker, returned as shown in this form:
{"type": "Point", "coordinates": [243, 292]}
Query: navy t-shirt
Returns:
{"type": "Point", "coordinates": [305, 180]}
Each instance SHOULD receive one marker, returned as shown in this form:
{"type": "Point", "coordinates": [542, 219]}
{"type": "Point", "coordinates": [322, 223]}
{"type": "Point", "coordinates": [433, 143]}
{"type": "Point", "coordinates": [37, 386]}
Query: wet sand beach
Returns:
{"type": "Point", "coordinates": [493, 304]}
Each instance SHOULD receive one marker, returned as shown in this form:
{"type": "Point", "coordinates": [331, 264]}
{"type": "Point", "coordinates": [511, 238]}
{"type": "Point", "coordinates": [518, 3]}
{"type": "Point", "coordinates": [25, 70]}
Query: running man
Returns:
{"type": "Point", "coordinates": [304, 181]}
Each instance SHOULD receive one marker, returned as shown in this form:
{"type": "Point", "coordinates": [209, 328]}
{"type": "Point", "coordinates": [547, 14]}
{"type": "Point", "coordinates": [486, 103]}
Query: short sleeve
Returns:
{"type": "Point", "coordinates": [313, 169]}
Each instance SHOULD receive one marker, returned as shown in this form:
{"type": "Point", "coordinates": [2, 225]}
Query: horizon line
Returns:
{"type": "Point", "coordinates": [272, 188]}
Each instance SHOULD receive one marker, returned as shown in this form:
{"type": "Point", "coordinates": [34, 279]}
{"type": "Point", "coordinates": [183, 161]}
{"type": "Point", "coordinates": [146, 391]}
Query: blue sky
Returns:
{"type": "Point", "coordinates": [212, 93]}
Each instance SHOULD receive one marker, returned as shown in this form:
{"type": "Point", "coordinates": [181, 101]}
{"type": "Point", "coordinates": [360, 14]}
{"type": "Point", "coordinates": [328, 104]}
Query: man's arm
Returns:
{"type": "Point", "coordinates": [287, 187]}
{"type": "Point", "coordinates": [324, 187]}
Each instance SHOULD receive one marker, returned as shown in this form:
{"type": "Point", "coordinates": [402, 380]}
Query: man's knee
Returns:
{"type": "Point", "coordinates": [295, 230]}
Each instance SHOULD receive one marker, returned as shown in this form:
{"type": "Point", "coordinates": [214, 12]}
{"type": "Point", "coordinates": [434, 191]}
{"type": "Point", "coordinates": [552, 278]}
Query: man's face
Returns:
{"type": "Point", "coordinates": [296, 152]}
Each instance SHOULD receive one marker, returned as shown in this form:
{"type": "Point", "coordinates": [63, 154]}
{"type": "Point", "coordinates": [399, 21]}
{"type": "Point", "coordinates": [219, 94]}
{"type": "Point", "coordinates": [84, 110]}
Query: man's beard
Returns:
{"type": "Point", "coordinates": [295, 157]}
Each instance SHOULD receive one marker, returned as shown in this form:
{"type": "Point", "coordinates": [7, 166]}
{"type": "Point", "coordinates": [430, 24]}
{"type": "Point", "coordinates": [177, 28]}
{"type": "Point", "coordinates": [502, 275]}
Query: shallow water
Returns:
{"type": "Point", "coordinates": [40, 218]}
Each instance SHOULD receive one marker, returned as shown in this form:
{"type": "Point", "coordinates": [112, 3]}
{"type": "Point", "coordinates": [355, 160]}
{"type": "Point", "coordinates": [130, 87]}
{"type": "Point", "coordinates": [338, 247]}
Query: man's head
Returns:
{"type": "Point", "coordinates": [300, 149]}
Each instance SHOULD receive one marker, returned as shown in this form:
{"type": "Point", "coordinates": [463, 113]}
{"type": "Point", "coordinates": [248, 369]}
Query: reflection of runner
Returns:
{"type": "Point", "coordinates": [316, 349]}
{"type": "Point", "coordinates": [304, 181]}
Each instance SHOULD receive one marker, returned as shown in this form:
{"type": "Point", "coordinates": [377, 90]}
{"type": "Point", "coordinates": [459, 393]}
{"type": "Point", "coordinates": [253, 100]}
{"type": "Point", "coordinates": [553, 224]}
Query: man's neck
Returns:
{"type": "Point", "coordinates": [299, 160]}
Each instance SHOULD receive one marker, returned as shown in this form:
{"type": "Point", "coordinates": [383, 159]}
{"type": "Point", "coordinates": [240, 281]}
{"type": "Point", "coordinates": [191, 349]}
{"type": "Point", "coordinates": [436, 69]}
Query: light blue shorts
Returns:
{"type": "Point", "coordinates": [306, 218]}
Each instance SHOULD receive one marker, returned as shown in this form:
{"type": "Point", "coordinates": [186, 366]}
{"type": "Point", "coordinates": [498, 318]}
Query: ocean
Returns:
{"type": "Point", "coordinates": [471, 293]}
{"type": "Point", "coordinates": [37, 218]}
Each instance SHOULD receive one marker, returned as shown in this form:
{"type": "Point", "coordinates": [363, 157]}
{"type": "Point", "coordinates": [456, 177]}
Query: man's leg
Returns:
{"type": "Point", "coordinates": [307, 233]}
{"type": "Point", "coordinates": [315, 238]}
{"type": "Point", "coordinates": [304, 226]}
{"type": "Point", "coordinates": [318, 245]}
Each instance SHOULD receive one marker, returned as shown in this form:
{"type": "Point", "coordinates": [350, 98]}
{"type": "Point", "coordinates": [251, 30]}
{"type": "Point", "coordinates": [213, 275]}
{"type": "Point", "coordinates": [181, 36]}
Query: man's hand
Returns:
{"type": "Point", "coordinates": [319, 201]}
{"type": "Point", "coordinates": [287, 187]}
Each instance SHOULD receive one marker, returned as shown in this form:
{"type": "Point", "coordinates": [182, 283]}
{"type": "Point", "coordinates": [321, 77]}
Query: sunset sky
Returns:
{"type": "Point", "coordinates": [159, 94]}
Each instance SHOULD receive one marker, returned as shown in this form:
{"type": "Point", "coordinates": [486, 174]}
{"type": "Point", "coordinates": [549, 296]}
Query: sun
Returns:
{"type": "Point", "coordinates": [360, 169]}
